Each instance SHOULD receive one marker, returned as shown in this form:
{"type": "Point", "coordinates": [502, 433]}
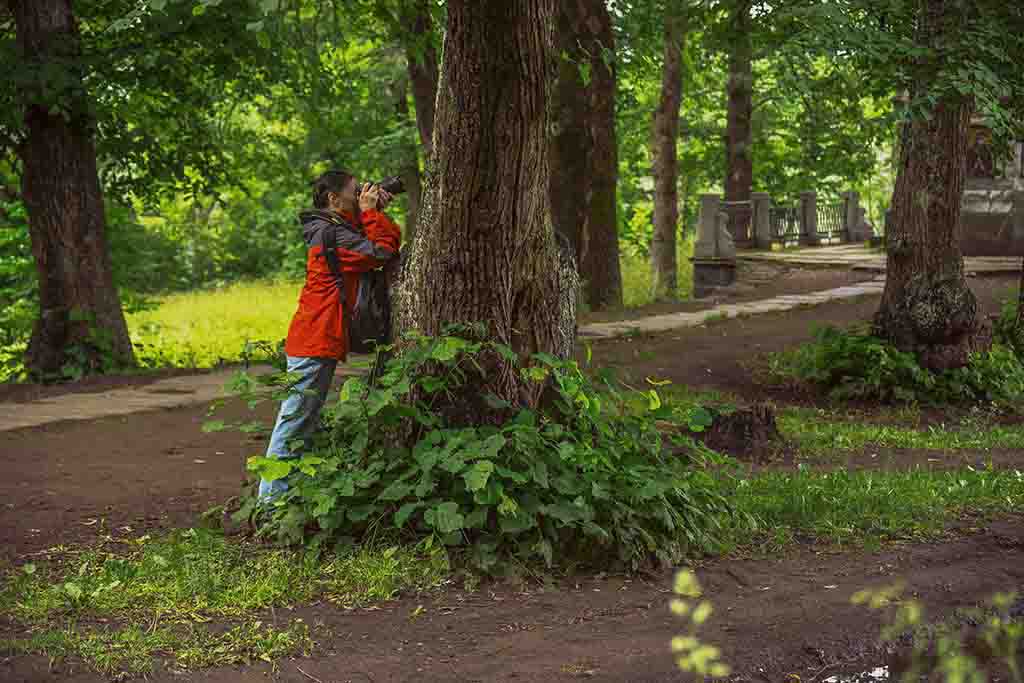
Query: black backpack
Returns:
{"type": "Point", "coordinates": [370, 324]}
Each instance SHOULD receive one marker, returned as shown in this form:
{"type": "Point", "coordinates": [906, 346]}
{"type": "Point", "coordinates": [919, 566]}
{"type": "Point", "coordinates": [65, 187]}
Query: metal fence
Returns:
{"type": "Point", "coordinates": [740, 224]}
{"type": "Point", "coordinates": [832, 222]}
{"type": "Point", "coordinates": [785, 223]}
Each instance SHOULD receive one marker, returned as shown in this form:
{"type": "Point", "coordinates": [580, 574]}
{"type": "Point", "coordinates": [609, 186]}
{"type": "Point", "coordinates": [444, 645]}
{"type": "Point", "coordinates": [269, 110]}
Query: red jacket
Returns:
{"type": "Point", "coordinates": [319, 327]}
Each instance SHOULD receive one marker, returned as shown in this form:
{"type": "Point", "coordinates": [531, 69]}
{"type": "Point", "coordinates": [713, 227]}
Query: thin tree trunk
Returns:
{"type": "Point", "coordinates": [80, 316]}
{"type": "Point", "coordinates": [570, 139]}
{"type": "Point", "coordinates": [664, 266]}
{"type": "Point", "coordinates": [739, 176]}
{"type": "Point", "coordinates": [927, 306]}
{"type": "Point", "coordinates": [410, 164]}
{"type": "Point", "coordinates": [485, 251]}
{"type": "Point", "coordinates": [584, 152]}
{"type": "Point", "coordinates": [421, 58]}
{"type": "Point", "coordinates": [600, 265]}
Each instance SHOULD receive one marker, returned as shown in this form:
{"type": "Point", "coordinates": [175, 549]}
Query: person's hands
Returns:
{"type": "Point", "coordinates": [385, 199]}
{"type": "Point", "coordinates": [370, 198]}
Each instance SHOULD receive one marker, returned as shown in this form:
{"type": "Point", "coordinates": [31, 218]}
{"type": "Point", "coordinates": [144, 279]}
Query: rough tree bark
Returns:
{"type": "Point", "coordinates": [421, 58]}
{"type": "Point", "coordinates": [927, 306]}
{"type": "Point", "coordinates": [79, 307]}
{"type": "Point", "coordinates": [584, 164]}
{"type": "Point", "coordinates": [739, 174]}
{"type": "Point", "coordinates": [664, 266]}
{"type": "Point", "coordinates": [485, 250]}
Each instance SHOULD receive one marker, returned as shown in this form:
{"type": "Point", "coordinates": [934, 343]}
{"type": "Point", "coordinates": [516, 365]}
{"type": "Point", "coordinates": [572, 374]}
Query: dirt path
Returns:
{"type": "Point", "coordinates": [774, 616]}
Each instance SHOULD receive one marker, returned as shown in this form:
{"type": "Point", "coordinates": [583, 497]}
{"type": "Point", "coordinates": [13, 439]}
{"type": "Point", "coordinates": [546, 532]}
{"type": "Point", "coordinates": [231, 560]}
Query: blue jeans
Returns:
{"type": "Point", "coordinates": [299, 415]}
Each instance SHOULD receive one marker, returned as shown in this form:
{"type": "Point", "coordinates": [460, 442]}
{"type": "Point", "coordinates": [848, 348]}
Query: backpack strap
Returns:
{"type": "Point", "coordinates": [330, 251]}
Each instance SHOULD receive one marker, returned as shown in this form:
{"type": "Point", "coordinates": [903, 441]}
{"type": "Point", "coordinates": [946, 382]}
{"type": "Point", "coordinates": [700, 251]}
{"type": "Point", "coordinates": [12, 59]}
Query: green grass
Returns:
{"type": "Point", "coordinates": [207, 327]}
{"type": "Point", "coordinates": [855, 507]}
{"type": "Point", "coordinates": [637, 281]}
{"type": "Point", "coordinates": [178, 584]}
{"type": "Point", "coordinates": [814, 434]}
{"type": "Point", "coordinates": [131, 649]}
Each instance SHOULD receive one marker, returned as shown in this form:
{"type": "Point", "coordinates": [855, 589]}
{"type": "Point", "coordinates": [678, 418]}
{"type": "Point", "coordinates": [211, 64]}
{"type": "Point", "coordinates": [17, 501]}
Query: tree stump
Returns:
{"type": "Point", "coordinates": [747, 432]}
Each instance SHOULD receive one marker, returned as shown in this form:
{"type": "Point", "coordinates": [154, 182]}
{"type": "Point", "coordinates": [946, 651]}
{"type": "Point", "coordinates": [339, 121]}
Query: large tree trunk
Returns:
{"type": "Point", "coordinates": [421, 58]}
{"type": "Point", "coordinates": [485, 251]}
{"type": "Point", "coordinates": [739, 175]}
{"type": "Point", "coordinates": [664, 264]}
{"type": "Point", "coordinates": [927, 306]}
{"type": "Point", "coordinates": [584, 163]}
{"type": "Point", "coordinates": [80, 316]}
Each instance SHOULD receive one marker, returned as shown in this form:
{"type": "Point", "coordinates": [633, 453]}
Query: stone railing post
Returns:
{"type": "Point", "coordinates": [1016, 247]}
{"type": "Point", "coordinates": [714, 254]}
{"type": "Point", "coordinates": [809, 218]}
{"type": "Point", "coordinates": [762, 203]}
{"type": "Point", "coordinates": [853, 226]}
{"type": "Point", "coordinates": [707, 227]}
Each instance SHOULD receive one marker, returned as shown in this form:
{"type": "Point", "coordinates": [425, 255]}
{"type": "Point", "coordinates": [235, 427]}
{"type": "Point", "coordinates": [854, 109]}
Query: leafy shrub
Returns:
{"type": "Point", "coordinates": [852, 364]}
{"type": "Point", "coordinates": [587, 477]}
{"type": "Point", "coordinates": [1007, 330]}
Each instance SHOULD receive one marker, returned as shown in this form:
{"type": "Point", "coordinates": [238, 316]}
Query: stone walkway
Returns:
{"type": "Point", "coordinates": [859, 257]}
{"type": "Point", "coordinates": [194, 389]}
{"type": "Point", "coordinates": [174, 392]}
{"type": "Point", "coordinates": [675, 321]}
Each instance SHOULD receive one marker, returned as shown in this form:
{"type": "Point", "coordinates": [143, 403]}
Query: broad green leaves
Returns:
{"type": "Point", "coordinates": [445, 518]}
{"type": "Point", "coordinates": [542, 485]}
{"type": "Point", "coordinates": [477, 474]}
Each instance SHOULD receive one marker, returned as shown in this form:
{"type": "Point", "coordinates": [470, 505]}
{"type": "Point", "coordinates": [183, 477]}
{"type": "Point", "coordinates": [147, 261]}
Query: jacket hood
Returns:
{"type": "Point", "coordinates": [313, 220]}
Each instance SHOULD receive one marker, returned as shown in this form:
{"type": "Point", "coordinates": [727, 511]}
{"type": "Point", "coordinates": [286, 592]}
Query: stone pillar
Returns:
{"type": "Point", "coordinates": [1016, 170]}
{"type": "Point", "coordinates": [809, 218]}
{"type": "Point", "coordinates": [853, 226]}
{"type": "Point", "coordinates": [714, 254]}
{"type": "Point", "coordinates": [1016, 247]}
{"type": "Point", "coordinates": [862, 221]}
{"type": "Point", "coordinates": [762, 203]}
{"type": "Point", "coordinates": [707, 227]}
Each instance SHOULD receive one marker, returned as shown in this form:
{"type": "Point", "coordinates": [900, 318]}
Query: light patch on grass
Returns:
{"type": "Point", "coordinates": [211, 326]}
{"type": "Point", "coordinates": [207, 327]}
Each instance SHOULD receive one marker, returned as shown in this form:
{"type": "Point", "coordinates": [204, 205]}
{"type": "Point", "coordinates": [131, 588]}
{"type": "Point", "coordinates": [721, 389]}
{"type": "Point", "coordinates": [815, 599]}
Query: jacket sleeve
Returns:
{"type": "Point", "coordinates": [359, 253]}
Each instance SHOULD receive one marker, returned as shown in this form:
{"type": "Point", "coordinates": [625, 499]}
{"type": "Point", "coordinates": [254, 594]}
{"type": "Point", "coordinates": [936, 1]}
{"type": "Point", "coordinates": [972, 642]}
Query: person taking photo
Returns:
{"type": "Point", "coordinates": [348, 227]}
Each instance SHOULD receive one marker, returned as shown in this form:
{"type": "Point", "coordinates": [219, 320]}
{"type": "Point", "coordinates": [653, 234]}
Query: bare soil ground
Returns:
{"type": "Point", "coordinates": [775, 615]}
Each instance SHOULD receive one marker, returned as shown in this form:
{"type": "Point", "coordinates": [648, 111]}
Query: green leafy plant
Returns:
{"type": "Point", "coordinates": [585, 478]}
{"type": "Point", "coordinates": [852, 364]}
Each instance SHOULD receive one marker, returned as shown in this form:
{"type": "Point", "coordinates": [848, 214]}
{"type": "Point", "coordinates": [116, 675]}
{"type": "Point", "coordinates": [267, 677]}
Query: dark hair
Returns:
{"type": "Point", "coordinates": [330, 181]}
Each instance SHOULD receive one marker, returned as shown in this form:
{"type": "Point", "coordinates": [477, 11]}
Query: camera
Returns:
{"type": "Point", "coordinates": [391, 185]}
